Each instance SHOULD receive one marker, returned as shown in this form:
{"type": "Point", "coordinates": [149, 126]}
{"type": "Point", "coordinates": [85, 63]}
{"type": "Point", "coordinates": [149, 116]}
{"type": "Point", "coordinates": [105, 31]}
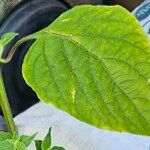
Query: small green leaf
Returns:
{"type": "Point", "coordinates": [38, 144]}
{"type": "Point", "coordinates": [7, 37]}
{"type": "Point", "coordinates": [12, 145]}
{"type": "Point", "coordinates": [46, 143]}
{"type": "Point", "coordinates": [57, 148]}
{"type": "Point", "coordinates": [27, 139]}
{"type": "Point", "coordinates": [6, 146]}
{"type": "Point", "coordinates": [15, 142]}
{"type": "Point", "coordinates": [5, 136]}
{"type": "Point", "coordinates": [94, 63]}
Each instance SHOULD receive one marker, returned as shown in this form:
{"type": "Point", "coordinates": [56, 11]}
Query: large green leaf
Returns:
{"type": "Point", "coordinates": [94, 63]}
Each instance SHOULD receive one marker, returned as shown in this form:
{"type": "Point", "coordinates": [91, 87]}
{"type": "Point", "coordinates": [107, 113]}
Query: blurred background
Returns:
{"type": "Point", "coordinates": [7, 5]}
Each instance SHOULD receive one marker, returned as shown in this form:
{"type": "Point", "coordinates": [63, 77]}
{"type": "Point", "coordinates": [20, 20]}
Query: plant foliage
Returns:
{"type": "Point", "coordinates": [14, 142]}
{"type": "Point", "coordinates": [94, 63]}
{"type": "Point", "coordinates": [46, 143]}
{"type": "Point", "coordinates": [5, 39]}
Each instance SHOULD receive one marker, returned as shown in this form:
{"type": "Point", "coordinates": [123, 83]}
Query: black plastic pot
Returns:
{"type": "Point", "coordinates": [28, 17]}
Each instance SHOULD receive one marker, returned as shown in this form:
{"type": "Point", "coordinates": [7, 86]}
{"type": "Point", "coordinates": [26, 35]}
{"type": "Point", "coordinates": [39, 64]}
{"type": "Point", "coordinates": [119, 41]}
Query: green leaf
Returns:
{"type": "Point", "coordinates": [12, 145]}
{"type": "Point", "coordinates": [38, 144]}
{"type": "Point", "coordinates": [5, 136]}
{"type": "Point", "coordinates": [15, 142]}
{"type": "Point", "coordinates": [57, 148]}
{"type": "Point", "coordinates": [7, 37]}
{"type": "Point", "coordinates": [27, 139]}
{"type": "Point", "coordinates": [6, 145]}
{"type": "Point", "coordinates": [94, 63]}
{"type": "Point", "coordinates": [46, 143]}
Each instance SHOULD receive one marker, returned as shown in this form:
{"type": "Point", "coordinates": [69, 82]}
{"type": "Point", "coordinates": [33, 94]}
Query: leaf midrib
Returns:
{"type": "Point", "coordinates": [98, 36]}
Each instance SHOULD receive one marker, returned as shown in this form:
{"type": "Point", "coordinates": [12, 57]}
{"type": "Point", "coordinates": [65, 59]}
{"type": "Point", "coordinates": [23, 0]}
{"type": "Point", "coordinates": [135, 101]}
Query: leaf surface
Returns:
{"type": "Point", "coordinates": [46, 143]}
{"type": "Point", "coordinates": [7, 37]}
{"type": "Point", "coordinates": [12, 145]}
{"type": "Point", "coordinates": [38, 144]}
{"type": "Point", "coordinates": [14, 142]}
{"type": "Point", "coordinates": [27, 139]}
{"type": "Point", "coordinates": [94, 63]}
{"type": "Point", "coordinates": [5, 136]}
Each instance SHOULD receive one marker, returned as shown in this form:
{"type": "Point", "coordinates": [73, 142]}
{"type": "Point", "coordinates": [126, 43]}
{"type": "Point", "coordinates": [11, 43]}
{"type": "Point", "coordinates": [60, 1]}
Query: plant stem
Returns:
{"type": "Point", "coordinates": [3, 96]}
{"type": "Point", "coordinates": [6, 107]}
